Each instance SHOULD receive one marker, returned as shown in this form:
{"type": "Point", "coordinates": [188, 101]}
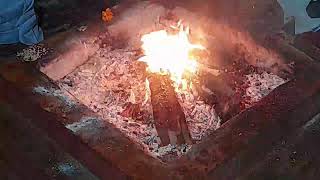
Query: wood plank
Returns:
{"type": "Point", "coordinates": [246, 161]}
{"type": "Point", "coordinates": [294, 157]}
{"type": "Point", "coordinates": [28, 153]}
{"type": "Point", "coordinates": [170, 120]}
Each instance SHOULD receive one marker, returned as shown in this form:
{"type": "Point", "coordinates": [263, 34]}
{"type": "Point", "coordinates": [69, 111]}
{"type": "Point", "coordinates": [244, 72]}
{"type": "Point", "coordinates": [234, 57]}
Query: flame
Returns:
{"type": "Point", "coordinates": [107, 15]}
{"type": "Point", "coordinates": [169, 53]}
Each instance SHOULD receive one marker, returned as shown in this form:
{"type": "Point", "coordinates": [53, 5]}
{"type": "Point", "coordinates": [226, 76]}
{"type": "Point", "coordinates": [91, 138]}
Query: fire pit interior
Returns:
{"type": "Point", "coordinates": [224, 79]}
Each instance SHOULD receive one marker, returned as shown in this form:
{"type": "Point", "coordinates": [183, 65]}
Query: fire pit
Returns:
{"type": "Point", "coordinates": [164, 95]}
{"type": "Point", "coordinates": [138, 112]}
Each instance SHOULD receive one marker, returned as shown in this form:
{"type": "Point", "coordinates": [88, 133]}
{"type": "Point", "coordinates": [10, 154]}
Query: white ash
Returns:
{"type": "Point", "coordinates": [61, 95]}
{"type": "Point", "coordinates": [201, 118]}
{"type": "Point", "coordinates": [179, 150]}
{"type": "Point", "coordinates": [32, 53]}
{"type": "Point", "coordinates": [67, 169]}
{"type": "Point", "coordinates": [260, 85]}
{"type": "Point", "coordinates": [111, 79]}
{"type": "Point", "coordinates": [105, 85]}
{"type": "Point", "coordinates": [82, 28]}
{"type": "Point", "coordinates": [84, 122]}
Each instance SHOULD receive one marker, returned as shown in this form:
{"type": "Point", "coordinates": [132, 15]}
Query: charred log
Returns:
{"type": "Point", "coordinates": [217, 91]}
{"type": "Point", "coordinates": [169, 117]}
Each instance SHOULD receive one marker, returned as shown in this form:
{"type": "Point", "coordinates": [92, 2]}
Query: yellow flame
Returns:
{"type": "Point", "coordinates": [169, 53]}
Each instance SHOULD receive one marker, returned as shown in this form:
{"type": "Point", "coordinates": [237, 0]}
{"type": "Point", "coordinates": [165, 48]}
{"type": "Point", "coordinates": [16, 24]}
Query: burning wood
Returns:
{"type": "Point", "coordinates": [113, 85]}
{"type": "Point", "coordinates": [168, 60]}
{"type": "Point", "coordinates": [169, 117]}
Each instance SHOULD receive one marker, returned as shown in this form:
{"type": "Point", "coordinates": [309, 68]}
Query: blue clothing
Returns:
{"type": "Point", "coordinates": [18, 22]}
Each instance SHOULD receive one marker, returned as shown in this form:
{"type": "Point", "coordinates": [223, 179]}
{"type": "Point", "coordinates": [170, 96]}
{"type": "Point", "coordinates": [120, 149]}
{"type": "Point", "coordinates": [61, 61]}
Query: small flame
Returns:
{"type": "Point", "coordinates": [169, 53]}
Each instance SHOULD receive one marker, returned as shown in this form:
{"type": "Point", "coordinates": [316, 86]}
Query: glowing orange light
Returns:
{"type": "Point", "coordinates": [169, 53]}
{"type": "Point", "coordinates": [107, 15]}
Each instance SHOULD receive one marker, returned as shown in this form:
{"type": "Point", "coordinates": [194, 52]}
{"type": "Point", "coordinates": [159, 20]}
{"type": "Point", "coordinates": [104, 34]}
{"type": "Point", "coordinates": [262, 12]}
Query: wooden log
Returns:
{"type": "Point", "coordinates": [69, 50]}
{"type": "Point", "coordinates": [169, 117]}
{"type": "Point", "coordinates": [215, 90]}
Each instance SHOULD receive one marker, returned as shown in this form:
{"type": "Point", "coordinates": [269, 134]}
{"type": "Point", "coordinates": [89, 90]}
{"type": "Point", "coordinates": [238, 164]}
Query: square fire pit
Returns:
{"type": "Point", "coordinates": [113, 82]}
{"type": "Point", "coordinates": [241, 92]}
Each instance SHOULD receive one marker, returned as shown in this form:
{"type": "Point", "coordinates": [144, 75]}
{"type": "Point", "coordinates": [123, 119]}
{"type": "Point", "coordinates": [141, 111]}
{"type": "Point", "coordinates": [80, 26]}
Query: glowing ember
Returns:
{"type": "Point", "coordinates": [170, 53]}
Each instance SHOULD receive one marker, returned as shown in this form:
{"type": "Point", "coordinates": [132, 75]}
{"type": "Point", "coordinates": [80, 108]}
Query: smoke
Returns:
{"type": "Point", "coordinates": [217, 26]}
{"type": "Point", "coordinates": [213, 24]}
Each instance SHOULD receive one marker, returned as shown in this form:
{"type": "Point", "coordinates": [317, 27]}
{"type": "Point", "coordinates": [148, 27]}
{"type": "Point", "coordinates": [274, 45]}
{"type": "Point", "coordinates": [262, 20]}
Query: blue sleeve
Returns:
{"type": "Point", "coordinates": [18, 22]}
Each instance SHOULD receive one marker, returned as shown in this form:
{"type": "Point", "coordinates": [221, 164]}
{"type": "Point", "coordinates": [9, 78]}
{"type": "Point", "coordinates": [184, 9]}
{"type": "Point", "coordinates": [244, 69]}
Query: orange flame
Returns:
{"type": "Point", "coordinates": [169, 54]}
{"type": "Point", "coordinates": [107, 15]}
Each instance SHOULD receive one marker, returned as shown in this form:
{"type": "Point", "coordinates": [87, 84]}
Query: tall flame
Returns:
{"type": "Point", "coordinates": [169, 53]}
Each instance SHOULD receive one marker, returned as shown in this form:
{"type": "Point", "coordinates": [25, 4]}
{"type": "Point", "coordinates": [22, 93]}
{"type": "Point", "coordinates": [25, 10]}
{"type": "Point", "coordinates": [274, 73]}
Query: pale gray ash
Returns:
{"type": "Point", "coordinates": [32, 53]}
{"type": "Point", "coordinates": [260, 85]}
